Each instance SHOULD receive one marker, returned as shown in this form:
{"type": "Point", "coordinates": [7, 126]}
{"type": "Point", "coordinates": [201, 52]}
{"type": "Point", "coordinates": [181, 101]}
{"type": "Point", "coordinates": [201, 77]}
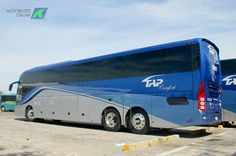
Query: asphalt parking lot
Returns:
{"type": "Point", "coordinates": [19, 137]}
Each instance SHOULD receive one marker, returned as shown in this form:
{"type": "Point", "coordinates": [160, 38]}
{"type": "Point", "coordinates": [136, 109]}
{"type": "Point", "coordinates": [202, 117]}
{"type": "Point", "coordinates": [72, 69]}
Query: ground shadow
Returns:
{"type": "Point", "coordinates": [154, 132]}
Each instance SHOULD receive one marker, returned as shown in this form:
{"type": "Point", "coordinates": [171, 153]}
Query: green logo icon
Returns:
{"type": "Point", "coordinates": [39, 13]}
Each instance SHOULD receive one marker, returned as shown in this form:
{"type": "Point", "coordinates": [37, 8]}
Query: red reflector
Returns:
{"type": "Point", "coordinates": [202, 98]}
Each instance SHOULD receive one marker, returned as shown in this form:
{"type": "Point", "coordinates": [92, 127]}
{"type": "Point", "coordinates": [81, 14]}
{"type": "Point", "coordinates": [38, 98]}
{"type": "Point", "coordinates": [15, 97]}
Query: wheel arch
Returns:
{"type": "Point", "coordinates": [28, 106]}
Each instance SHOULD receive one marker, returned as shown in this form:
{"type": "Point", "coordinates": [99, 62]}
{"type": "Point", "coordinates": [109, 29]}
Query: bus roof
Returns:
{"type": "Point", "coordinates": [228, 59]}
{"type": "Point", "coordinates": [128, 52]}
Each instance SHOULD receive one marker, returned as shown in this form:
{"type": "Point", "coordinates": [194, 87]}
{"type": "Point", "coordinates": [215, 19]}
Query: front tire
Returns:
{"type": "Point", "coordinates": [29, 114]}
{"type": "Point", "coordinates": [111, 120]}
{"type": "Point", "coordinates": [3, 109]}
{"type": "Point", "coordinates": [138, 122]}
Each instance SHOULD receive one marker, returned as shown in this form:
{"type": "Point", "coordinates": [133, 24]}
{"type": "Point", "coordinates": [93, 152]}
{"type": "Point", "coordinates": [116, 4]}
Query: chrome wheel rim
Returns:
{"type": "Point", "coordinates": [30, 114]}
{"type": "Point", "coordinates": [138, 121]}
{"type": "Point", "coordinates": [111, 120]}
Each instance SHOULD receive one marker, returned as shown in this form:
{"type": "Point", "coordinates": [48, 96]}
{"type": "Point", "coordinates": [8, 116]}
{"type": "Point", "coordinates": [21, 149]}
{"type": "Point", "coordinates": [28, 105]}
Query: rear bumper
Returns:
{"type": "Point", "coordinates": [212, 116]}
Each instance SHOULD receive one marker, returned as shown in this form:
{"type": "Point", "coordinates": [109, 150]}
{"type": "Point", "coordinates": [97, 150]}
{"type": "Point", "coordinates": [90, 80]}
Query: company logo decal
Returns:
{"type": "Point", "coordinates": [154, 81]}
{"type": "Point", "coordinates": [230, 80]}
{"type": "Point", "coordinates": [39, 13]}
{"type": "Point", "coordinates": [151, 81]}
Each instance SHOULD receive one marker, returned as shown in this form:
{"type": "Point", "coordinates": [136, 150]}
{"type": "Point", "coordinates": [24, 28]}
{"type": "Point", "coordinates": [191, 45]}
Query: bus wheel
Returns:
{"type": "Point", "coordinates": [139, 122]}
{"type": "Point", "coordinates": [111, 120]}
{"type": "Point", "coordinates": [29, 114]}
{"type": "Point", "coordinates": [226, 124]}
{"type": "Point", "coordinates": [2, 109]}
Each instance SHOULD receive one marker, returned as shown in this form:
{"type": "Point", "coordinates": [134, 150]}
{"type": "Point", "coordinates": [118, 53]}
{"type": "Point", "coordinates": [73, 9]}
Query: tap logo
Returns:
{"type": "Point", "coordinates": [39, 13]}
{"type": "Point", "coordinates": [151, 81]}
{"type": "Point", "coordinates": [230, 80]}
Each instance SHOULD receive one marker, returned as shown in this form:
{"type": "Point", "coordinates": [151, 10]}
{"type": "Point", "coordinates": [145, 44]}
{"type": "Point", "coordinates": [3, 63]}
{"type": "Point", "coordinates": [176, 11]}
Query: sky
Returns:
{"type": "Point", "coordinates": [76, 29]}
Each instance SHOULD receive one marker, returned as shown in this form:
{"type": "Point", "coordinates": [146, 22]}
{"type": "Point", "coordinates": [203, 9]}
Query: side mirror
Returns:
{"type": "Point", "coordinates": [11, 85]}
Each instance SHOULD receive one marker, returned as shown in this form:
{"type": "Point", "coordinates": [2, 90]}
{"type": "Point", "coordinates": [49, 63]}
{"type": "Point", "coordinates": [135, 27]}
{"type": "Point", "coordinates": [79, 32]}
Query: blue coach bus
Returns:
{"type": "Point", "coordinates": [165, 86]}
{"type": "Point", "coordinates": [229, 90]}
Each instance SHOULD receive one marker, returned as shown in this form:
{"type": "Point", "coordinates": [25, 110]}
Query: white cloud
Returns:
{"type": "Point", "coordinates": [79, 30]}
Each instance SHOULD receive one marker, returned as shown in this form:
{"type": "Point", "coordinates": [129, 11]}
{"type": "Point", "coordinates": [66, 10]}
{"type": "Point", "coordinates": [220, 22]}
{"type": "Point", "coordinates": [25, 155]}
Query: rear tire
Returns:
{"type": "Point", "coordinates": [29, 114]}
{"type": "Point", "coordinates": [111, 120]}
{"type": "Point", "coordinates": [226, 124]}
{"type": "Point", "coordinates": [138, 121]}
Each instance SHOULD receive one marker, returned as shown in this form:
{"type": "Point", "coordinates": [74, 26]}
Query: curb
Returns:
{"type": "Point", "coordinates": [193, 130]}
{"type": "Point", "coordinates": [202, 131]}
{"type": "Point", "coordinates": [149, 143]}
{"type": "Point", "coordinates": [220, 126]}
{"type": "Point", "coordinates": [210, 129]}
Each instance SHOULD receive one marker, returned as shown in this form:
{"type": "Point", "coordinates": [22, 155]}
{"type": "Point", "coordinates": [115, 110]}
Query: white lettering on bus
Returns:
{"type": "Point", "coordinates": [214, 53]}
{"type": "Point", "coordinates": [214, 68]}
{"type": "Point", "coordinates": [230, 80]}
{"type": "Point", "coordinates": [152, 82]}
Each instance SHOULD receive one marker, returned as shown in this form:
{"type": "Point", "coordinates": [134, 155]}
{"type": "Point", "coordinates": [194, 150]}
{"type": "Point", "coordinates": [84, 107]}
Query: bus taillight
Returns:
{"type": "Point", "coordinates": [202, 98]}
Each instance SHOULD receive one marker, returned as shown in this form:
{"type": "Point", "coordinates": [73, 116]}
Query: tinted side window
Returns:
{"type": "Point", "coordinates": [170, 60]}
{"type": "Point", "coordinates": [177, 59]}
{"type": "Point", "coordinates": [228, 67]}
{"type": "Point", "coordinates": [196, 56]}
{"type": "Point", "coordinates": [235, 66]}
{"type": "Point", "coordinates": [91, 71]}
{"type": "Point", "coordinates": [147, 63]}
{"type": "Point", "coordinates": [110, 68]}
{"type": "Point", "coordinates": [76, 73]}
{"type": "Point", "coordinates": [34, 77]}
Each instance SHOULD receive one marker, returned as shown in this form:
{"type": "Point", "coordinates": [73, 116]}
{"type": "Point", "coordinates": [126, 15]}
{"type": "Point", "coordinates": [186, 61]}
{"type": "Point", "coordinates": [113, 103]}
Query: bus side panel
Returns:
{"type": "Point", "coordinates": [58, 105]}
{"type": "Point", "coordinates": [63, 105]}
{"type": "Point", "coordinates": [138, 100]}
{"type": "Point", "coordinates": [20, 111]}
{"type": "Point", "coordinates": [229, 105]}
{"type": "Point", "coordinates": [228, 96]}
{"type": "Point", "coordinates": [169, 116]}
{"type": "Point", "coordinates": [103, 100]}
